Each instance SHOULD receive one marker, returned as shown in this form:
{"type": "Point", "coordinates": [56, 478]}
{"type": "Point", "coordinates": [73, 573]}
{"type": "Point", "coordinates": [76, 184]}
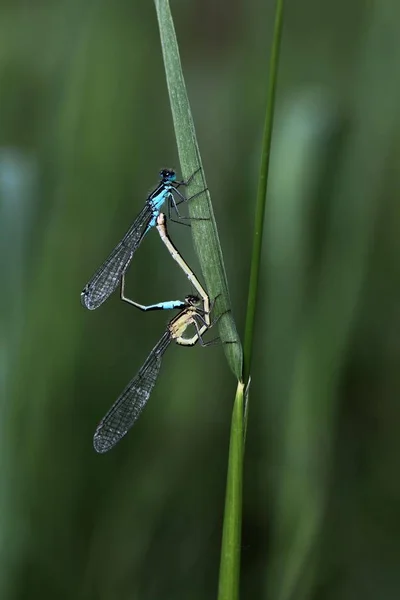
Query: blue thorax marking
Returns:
{"type": "Point", "coordinates": [156, 201]}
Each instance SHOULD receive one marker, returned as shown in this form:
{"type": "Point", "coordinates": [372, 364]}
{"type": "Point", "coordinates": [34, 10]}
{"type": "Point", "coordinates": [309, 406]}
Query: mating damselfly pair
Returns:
{"type": "Point", "coordinates": [194, 309]}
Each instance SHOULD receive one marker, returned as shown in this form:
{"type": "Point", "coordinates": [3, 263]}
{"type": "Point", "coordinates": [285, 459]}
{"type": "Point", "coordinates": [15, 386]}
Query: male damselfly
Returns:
{"type": "Point", "coordinates": [108, 277]}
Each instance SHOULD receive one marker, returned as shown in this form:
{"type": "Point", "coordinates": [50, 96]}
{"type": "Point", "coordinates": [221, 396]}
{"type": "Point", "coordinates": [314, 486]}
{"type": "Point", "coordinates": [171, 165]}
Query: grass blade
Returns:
{"type": "Point", "coordinates": [204, 232]}
{"type": "Point", "coordinates": [262, 193]}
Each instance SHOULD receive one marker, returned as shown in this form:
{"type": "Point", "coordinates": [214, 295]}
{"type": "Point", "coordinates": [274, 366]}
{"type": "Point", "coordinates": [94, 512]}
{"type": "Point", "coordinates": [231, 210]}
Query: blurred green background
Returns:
{"type": "Point", "coordinates": [85, 127]}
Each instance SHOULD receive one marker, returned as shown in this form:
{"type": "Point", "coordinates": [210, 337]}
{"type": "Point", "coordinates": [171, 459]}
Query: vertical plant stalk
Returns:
{"type": "Point", "coordinates": [261, 194]}
{"type": "Point", "coordinates": [229, 574]}
{"type": "Point", "coordinates": [206, 242]}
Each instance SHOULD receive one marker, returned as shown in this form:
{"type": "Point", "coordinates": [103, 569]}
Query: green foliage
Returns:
{"type": "Point", "coordinates": [86, 125]}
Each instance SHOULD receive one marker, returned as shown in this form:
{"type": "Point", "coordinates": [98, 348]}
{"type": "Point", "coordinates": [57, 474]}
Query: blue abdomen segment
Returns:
{"type": "Point", "coordinates": [170, 305]}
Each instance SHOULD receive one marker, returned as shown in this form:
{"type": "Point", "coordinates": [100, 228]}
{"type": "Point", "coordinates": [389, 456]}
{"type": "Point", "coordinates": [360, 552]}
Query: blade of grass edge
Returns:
{"type": "Point", "coordinates": [204, 232]}
{"type": "Point", "coordinates": [262, 194]}
{"type": "Point", "coordinates": [229, 574]}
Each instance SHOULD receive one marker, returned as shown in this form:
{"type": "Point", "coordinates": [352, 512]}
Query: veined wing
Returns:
{"type": "Point", "coordinates": [108, 276]}
{"type": "Point", "coordinates": [124, 412]}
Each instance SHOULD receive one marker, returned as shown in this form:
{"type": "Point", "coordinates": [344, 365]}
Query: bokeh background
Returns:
{"type": "Point", "coordinates": [85, 126]}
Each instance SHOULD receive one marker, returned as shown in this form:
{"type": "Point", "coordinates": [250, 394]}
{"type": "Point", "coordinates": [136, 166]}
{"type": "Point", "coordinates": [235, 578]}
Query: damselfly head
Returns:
{"type": "Point", "coordinates": [192, 300]}
{"type": "Point", "coordinates": [168, 175]}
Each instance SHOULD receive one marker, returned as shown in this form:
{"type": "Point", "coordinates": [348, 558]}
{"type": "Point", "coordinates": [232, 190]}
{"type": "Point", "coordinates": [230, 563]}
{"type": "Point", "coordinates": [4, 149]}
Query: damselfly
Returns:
{"type": "Point", "coordinates": [126, 410]}
{"type": "Point", "coordinates": [108, 277]}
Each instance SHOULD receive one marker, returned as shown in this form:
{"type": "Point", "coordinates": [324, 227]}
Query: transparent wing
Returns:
{"type": "Point", "coordinates": [124, 412]}
{"type": "Point", "coordinates": [108, 276]}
